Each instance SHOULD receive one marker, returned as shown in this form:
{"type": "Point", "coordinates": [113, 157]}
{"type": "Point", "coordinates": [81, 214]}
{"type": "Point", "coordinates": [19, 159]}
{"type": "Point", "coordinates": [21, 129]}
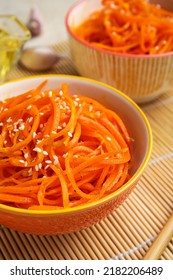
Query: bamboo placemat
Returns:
{"type": "Point", "coordinates": [129, 231]}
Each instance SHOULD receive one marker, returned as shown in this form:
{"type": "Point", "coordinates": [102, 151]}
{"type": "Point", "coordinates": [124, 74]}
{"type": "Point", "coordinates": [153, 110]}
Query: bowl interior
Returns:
{"type": "Point", "coordinates": [82, 9]}
{"type": "Point", "coordinates": [133, 117]}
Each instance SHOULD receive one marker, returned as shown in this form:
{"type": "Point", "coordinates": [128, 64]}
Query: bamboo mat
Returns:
{"type": "Point", "coordinates": [129, 231]}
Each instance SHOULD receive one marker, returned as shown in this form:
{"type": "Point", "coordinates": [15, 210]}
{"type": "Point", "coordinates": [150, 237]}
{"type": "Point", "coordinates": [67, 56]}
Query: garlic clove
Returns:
{"type": "Point", "coordinates": [35, 22]}
{"type": "Point", "coordinates": [39, 58]}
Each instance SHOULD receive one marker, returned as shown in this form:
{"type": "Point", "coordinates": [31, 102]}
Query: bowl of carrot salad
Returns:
{"type": "Point", "coordinates": [71, 151]}
{"type": "Point", "coordinates": [127, 44]}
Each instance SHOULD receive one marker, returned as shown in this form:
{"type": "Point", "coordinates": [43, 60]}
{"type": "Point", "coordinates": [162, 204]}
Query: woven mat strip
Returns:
{"type": "Point", "coordinates": [129, 231]}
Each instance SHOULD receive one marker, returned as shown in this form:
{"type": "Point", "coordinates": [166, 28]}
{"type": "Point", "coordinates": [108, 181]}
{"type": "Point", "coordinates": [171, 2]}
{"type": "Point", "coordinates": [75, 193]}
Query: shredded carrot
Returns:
{"type": "Point", "coordinates": [129, 26]}
{"type": "Point", "coordinates": [59, 150]}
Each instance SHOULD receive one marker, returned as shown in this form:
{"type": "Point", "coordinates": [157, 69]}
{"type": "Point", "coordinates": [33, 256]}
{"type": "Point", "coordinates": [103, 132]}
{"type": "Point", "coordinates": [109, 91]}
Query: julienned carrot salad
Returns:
{"type": "Point", "coordinates": [59, 151]}
{"type": "Point", "coordinates": [129, 26]}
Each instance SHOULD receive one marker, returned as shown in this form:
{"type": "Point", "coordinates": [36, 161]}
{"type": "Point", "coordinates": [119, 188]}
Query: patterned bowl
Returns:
{"type": "Point", "coordinates": [80, 217]}
{"type": "Point", "coordinates": [141, 77]}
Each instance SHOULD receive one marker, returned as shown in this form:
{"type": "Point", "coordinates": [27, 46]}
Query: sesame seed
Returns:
{"type": "Point", "coordinates": [26, 163]}
{"type": "Point", "coordinates": [34, 134]}
{"type": "Point", "coordinates": [41, 125]}
{"type": "Point", "coordinates": [47, 166]}
{"type": "Point", "coordinates": [30, 172]}
{"type": "Point", "coordinates": [22, 126]}
{"type": "Point", "coordinates": [36, 167]}
{"type": "Point", "coordinates": [28, 96]}
{"type": "Point", "coordinates": [1, 124]}
{"type": "Point", "coordinates": [38, 141]}
{"type": "Point", "coordinates": [30, 119]}
{"type": "Point", "coordinates": [59, 127]}
{"type": "Point", "coordinates": [21, 161]}
{"type": "Point", "coordinates": [56, 99]}
{"type": "Point", "coordinates": [47, 136]}
{"type": "Point", "coordinates": [9, 119]}
{"type": "Point", "coordinates": [53, 132]}
{"type": "Point", "coordinates": [48, 161]}
{"type": "Point", "coordinates": [45, 153]}
{"type": "Point", "coordinates": [77, 99]}
{"type": "Point", "coordinates": [26, 155]}
{"type": "Point", "coordinates": [75, 103]}
{"type": "Point", "coordinates": [90, 108]}
{"type": "Point", "coordinates": [61, 107]}
{"type": "Point", "coordinates": [50, 93]}
{"type": "Point", "coordinates": [56, 160]}
{"type": "Point", "coordinates": [42, 93]}
{"type": "Point", "coordinates": [29, 107]}
{"type": "Point", "coordinates": [64, 124]}
{"type": "Point", "coordinates": [6, 109]}
{"type": "Point", "coordinates": [41, 113]}
{"type": "Point", "coordinates": [64, 155]}
{"type": "Point", "coordinates": [60, 92]}
{"type": "Point", "coordinates": [70, 134]}
{"type": "Point", "coordinates": [108, 138]}
{"type": "Point", "coordinates": [5, 142]}
{"type": "Point", "coordinates": [38, 150]}
{"type": "Point", "coordinates": [40, 165]}
{"type": "Point", "coordinates": [98, 113]}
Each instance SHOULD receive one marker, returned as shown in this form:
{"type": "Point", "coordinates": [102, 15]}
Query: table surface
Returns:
{"type": "Point", "coordinates": [131, 229]}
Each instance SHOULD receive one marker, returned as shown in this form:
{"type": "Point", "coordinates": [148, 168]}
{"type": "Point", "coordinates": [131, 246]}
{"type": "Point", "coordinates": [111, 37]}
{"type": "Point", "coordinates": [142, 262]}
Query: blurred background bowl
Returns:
{"type": "Point", "coordinates": [142, 77]}
{"type": "Point", "coordinates": [77, 218]}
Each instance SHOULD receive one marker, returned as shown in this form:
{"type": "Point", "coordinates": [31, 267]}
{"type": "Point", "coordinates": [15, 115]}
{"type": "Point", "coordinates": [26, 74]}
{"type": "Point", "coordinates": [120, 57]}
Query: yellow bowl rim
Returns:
{"type": "Point", "coordinates": [132, 181]}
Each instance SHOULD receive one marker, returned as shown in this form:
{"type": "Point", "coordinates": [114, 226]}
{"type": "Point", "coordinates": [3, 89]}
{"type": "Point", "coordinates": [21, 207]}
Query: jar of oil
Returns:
{"type": "Point", "coordinates": [13, 35]}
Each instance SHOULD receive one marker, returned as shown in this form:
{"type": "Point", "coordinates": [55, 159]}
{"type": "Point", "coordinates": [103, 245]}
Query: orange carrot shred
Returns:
{"type": "Point", "coordinates": [59, 151]}
{"type": "Point", "coordinates": [129, 26]}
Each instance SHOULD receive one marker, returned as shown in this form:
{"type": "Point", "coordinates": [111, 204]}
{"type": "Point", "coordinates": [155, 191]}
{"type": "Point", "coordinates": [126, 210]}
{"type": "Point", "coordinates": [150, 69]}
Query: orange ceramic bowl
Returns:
{"type": "Point", "coordinates": [80, 217]}
{"type": "Point", "coordinates": [142, 77]}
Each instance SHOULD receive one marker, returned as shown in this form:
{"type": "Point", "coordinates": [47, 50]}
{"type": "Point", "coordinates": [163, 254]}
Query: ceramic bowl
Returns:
{"type": "Point", "coordinates": [80, 217]}
{"type": "Point", "coordinates": [141, 77]}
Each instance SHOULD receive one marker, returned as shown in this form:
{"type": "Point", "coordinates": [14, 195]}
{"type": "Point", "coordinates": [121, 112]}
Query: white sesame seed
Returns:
{"type": "Point", "coordinates": [70, 134]}
{"type": "Point", "coordinates": [50, 93]}
{"type": "Point", "coordinates": [29, 107]}
{"type": "Point", "coordinates": [47, 136]}
{"type": "Point", "coordinates": [64, 155]}
{"type": "Point", "coordinates": [5, 142]}
{"type": "Point", "coordinates": [77, 99]}
{"type": "Point", "coordinates": [28, 96]}
{"type": "Point", "coordinates": [21, 161]}
{"type": "Point", "coordinates": [26, 155]}
{"type": "Point", "coordinates": [64, 124]}
{"type": "Point", "coordinates": [41, 125]}
{"type": "Point", "coordinates": [48, 161]}
{"type": "Point", "coordinates": [36, 167]}
{"type": "Point", "coordinates": [22, 126]}
{"type": "Point", "coordinates": [34, 134]}
{"type": "Point", "coordinates": [98, 113]}
{"type": "Point", "coordinates": [59, 127]}
{"type": "Point", "coordinates": [1, 124]}
{"type": "Point", "coordinates": [53, 132]}
{"type": "Point", "coordinates": [56, 160]}
{"type": "Point", "coordinates": [56, 99]}
{"type": "Point", "coordinates": [45, 153]}
{"type": "Point", "coordinates": [6, 109]}
{"type": "Point", "coordinates": [60, 92]}
{"type": "Point", "coordinates": [47, 166]}
{"type": "Point", "coordinates": [9, 119]}
{"type": "Point", "coordinates": [61, 107]}
{"type": "Point", "coordinates": [30, 119]}
{"type": "Point", "coordinates": [38, 150]}
{"type": "Point", "coordinates": [75, 103]}
{"type": "Point", "coordinates": [38, 141]}
{"type": "Point", "coordinates": [108, 138]}
{"type": "Point", "coordinates": [30, 172]}
{"type": "Point", "coordinates": [40, 165]}
{"type": "Point", "coordinates": [42, 93]}
{"type": "Point", "coordinates": [26, 163]}
{"type": "Point", "coordinates": [41, 113]}
{"type": "Point", "coordinates": [90, 108]}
